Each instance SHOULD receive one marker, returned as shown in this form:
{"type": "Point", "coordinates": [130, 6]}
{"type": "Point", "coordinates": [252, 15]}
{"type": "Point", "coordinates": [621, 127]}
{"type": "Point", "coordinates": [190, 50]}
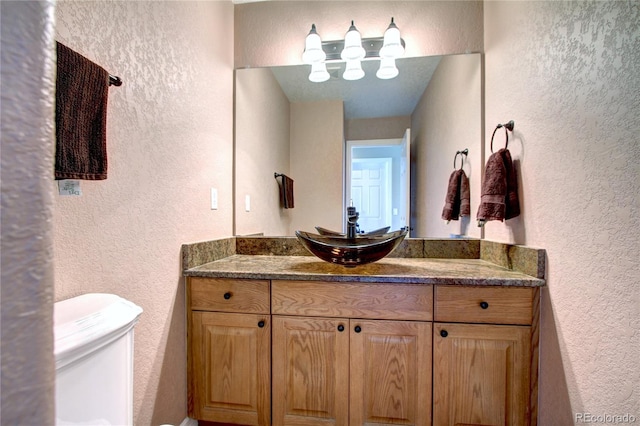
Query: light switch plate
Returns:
{"type": "Point", "coordinates": [214, 198]}
{"type": "Point", "coordinates": [247, 203]}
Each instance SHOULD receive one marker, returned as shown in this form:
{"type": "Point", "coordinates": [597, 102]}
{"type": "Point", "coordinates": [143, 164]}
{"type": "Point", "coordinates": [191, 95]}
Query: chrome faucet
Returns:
{"type": "Point", "coordinates": [352, 221]}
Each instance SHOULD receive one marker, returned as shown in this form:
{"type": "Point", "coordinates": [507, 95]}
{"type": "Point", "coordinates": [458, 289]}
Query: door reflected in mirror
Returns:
{"type": "Point", "coordinates": [287, 124]}
{"type": "Point", "coordinates": [377, 182]}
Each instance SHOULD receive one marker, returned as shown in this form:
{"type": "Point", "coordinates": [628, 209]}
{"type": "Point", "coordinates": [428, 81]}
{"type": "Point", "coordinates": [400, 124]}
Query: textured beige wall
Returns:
{"type": "Point", "coordinates": [552, 67]}
{"type": "Point", "coordinates": [317, 158]}
{"type": "Point", "coordinates": [169, 140]}
{"type": "Point", "coordinates": [567, 73]}
{"type": "Point", "coordinates": [437, 134]}
{"type": "Point", "coordinates": [27, 81]}
{"type": "Point", "coordinates": [262, 148]}
{"type": "Point", "coordinates": [272, 33]}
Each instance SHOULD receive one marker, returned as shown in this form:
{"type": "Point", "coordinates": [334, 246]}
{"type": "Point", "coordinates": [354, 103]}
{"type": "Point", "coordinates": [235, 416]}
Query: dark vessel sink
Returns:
{"type": "Point", "coordinates": [325, 231]}
{"type": "Point", "coordinates": [345, 251]}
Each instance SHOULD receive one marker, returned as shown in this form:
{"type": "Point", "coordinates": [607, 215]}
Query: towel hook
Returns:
{"type": "Point", "coordinates": [507, 127]}
{"type": "Point", "coordinates": [464, 152]}
{"type": "Point", "coordinates": [114, 80]}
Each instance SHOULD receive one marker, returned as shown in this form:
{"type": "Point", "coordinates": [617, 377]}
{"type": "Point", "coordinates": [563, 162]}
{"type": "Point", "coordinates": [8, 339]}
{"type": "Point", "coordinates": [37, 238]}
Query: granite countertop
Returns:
{"type": "Point", "coordinates": [469, 272]}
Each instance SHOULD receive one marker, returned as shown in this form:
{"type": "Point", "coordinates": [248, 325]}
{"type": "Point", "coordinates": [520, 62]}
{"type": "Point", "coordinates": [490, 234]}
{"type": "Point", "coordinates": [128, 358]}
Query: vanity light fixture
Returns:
{"type": "Point", "coordinates": [353, 70]}
{"type": "Point", "coordinates": [313, 52]}
{"type": "Point", "coordinates": [392, 46]}
{"type": "Point", "coordinates": [387, 69]}
{"type": "Point", "coordinates": [352, 50]}
{"type": "Point", "coordinates": [319, 72]}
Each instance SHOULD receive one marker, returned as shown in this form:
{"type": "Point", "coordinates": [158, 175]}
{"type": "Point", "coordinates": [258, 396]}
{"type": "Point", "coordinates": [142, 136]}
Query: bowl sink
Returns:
{"type": "Point", "coordinates": [325, 231]}
{"type": "Point", "coordinates": [356, 251]}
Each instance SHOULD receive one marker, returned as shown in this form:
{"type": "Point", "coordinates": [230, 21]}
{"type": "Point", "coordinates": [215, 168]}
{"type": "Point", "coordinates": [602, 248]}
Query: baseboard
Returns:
{"type": "Point", "coordinates": [189, 422]}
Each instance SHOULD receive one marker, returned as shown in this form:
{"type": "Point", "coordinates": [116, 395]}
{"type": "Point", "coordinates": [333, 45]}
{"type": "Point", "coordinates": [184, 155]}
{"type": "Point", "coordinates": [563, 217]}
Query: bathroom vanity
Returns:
{"type": "Point", "coordinates": [444, 333]}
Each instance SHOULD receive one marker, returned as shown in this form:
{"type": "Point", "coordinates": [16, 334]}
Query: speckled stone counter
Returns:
{"type": "Point", "coordinates": [416, 261]}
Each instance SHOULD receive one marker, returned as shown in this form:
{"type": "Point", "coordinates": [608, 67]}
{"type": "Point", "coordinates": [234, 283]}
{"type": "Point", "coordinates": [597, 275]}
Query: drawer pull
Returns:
{"type": "Point", "coordinates": [261, 324]}
{"type": "Point", "coordinates": [227, 295]}
{"type": "Point", "coordinates": [444, 333]}
{"type": "Point", "coordinates": [484, 305]}
{"type": "Point", "coordinates": [357, 329]}
{"type": "Point", "coordinates": [341, 328]}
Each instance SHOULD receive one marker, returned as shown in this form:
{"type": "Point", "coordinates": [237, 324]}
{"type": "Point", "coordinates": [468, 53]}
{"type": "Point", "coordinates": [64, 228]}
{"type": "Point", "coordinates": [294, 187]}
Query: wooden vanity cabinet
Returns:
{"type": "Point", "coordinates": [485, 356]}
{"type": "Point", "coordinates": [287, 352]}
{"type": "Point", "coordinates": [334, 364]}
{"type": "Point", "coordinates": [229, 356]}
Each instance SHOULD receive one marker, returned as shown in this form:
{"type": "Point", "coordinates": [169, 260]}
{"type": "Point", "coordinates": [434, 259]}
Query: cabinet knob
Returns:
{"type": "Point", "coordinates": [357, 329]}
{"type": "Point", "coordinates": [341, 328]}
{"type": "Point", "coordinates": [260, 324]}
{"type": "Point", "coordinates": [444, 333]}
{"type": "Point", "coordinates": [484, 305]}
{"type": "Point", "coordinates": [227, 295]}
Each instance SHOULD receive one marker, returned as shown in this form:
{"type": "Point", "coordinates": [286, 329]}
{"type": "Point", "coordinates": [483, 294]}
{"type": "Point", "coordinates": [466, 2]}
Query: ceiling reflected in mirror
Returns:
{"type": "Point", "coordinates": [369, 97]}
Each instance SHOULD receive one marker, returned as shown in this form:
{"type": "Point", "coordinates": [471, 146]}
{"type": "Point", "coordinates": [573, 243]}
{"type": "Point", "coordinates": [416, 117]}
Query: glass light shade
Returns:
{"type": "Point", "coordinates": [353, 71]}
{"type": "Point", "coordinates": [353, 50]}
{"type": "Point", "coordinates": [392, 46]}
{"type": "Point", "coordinates": [313, 48]}
{"type": "Point", "coordinates": [387, 69]}
{"type": "Point", "coordinates": [319, 72]}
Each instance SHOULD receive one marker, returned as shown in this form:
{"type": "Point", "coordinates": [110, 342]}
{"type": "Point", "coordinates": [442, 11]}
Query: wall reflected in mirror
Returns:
{"type": "Point", "coordinates": [286, 124]}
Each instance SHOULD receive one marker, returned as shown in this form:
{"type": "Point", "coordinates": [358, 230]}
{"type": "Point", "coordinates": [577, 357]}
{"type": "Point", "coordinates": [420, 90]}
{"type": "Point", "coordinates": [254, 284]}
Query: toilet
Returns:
{"type": "Point", "coordinates": [94, 359]}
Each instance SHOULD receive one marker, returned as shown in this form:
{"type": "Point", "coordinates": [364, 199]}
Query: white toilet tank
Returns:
{"type": "Point", "coordinates": [94, 359]}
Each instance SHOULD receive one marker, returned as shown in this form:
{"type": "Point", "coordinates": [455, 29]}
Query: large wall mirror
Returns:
{"type": "Point", "coordinates": [286, 124]}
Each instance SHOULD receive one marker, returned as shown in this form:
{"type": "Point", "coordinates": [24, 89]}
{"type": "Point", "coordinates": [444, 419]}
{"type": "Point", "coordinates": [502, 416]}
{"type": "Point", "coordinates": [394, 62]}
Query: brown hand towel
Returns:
{"type": "Point", "coordinates": [457, 201]}
{"type": "Point", "coordinates": [465, 196]}
{"type": "Point", "coordinates": [499, 200]}
{"type": "Point", "coordinates": [287, 192]}
{"type": "Point", "coordinates": [512, 201]}
{"type": "Point", "coordinates": [82, 88]}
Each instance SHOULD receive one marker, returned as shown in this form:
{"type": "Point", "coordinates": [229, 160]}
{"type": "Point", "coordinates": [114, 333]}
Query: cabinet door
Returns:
{"type": "Point", "coordinates": [481, 375]}
{"type": "Point", "coordinates": [231, 359]}
{"type": "Point", "coordinates": [310, 371]}
{"type": "Point", "coordinates": [390, 373]}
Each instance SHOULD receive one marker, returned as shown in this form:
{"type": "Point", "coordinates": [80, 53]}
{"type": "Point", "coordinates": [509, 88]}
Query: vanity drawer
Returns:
{"type": "Point", "coordinates": [229, 295]}
{"type": "Point", "coordinates": [493, 305]}
{"type": "Point", "coordinates": [352, 300]}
